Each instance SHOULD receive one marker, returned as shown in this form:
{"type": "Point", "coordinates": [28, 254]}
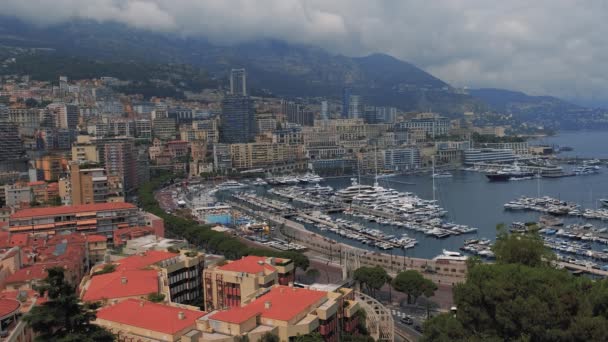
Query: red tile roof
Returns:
{"type": "Point", "coordinates": [249, 264]}
{"type": "Point", "coordinates": [8, 306]}
{"type": "Point", "coordinates": [150, 316]}
{"type": "Point", "coordinates": [111, 286]}
{"type": "Point", "coordinates": [70, 209]}
{"type": "Point", "coordinates": [34, 272]}
{"type": "Point", "coordinates": [96, 238]}
{"type": "Point", "coordinates": [146, 259]}
{"type": "Point", "coordinates": [285, 303]}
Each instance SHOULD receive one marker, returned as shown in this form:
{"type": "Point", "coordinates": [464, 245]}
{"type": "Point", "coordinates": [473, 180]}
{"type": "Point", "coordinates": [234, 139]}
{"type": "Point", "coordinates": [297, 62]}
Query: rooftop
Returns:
{"type": "Point", "coordinates": [285, 303]}
{"type": "Point", "coordinates": [70, 209]}
{"type": "Point", "coordinates": [96, 238]}
{"type": "Point", "coordinates": [8, 306]}
{"type": "Point", "coordinates": [150, 316]}
{"type": "Point", "coordinates": [119, 284]}
{"type": "Point", "coordinates": [139, 261]}
{"type": "Point", "coordinates": [249, 264]}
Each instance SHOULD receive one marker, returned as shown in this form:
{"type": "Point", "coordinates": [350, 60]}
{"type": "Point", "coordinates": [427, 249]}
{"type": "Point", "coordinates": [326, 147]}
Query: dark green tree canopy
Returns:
{"type": "Point", "coordinates": [414, 285]}
{"type": "Point", "coordinates": [371, 278]}
{"type": "Point", "coordinates": [63, 318]}
{"type": "Point", "coordinates": [514, 302]}
{"type": "Point", "coordinates": [526, 249]}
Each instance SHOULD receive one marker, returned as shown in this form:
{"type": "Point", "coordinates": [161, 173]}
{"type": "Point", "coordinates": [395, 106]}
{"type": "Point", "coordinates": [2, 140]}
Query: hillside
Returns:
{"type": "Point", "coordinates": [277, 67]}
{"type": "Point", "coordinates": [546, 111]}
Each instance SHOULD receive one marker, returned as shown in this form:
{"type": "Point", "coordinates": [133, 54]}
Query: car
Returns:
{"type": "Point", "coordinates": [418, 328]}
{"type": "Point", "coordinates": [406, 320]}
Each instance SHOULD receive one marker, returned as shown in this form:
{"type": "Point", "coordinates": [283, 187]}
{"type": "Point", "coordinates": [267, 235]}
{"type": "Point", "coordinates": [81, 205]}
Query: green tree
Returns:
{"type": "Point", "coordinates": [526, 249]}
{"type": "Point", "coordinates": [516, 302]}
{"type": "Point", "coordinates": [414, 285]}
{"type": "Point", "coordinates": [268, 337]}
{"type": "Point", "coordinates": [156, 297]}
{"type": "Point", "coordinates": [371, 278]}
{"type": "Point", "coordinates": [312, 337]}
{"type": "Point", "coordinates": [62, 318]}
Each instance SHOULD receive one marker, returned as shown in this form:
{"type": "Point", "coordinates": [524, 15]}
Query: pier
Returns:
{"type": "Point", "coordinates": [336, 226]}
{"type": "Point", "coordinates": [583, 269]}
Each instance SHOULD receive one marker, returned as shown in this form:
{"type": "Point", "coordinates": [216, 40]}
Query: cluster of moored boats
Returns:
{"type": "Point", "coordinates": [479, 247]}
{"type": "Point", "coordinates": [263, 203]}
{"type": "Point", "coordinates": [544, 204]}
{"type": "Point", "coordinates": [355, 231]}
{"type": "Point", "coordinates": [406, 210]}
{"type": "Point", "coordinates": [555, 206]}
{"type": "Point", "coordinates": [292, 180]}
{"type": "Point", "coordinates": [580, 248]}
{"type": "Point", "coordinates": [315, 196]}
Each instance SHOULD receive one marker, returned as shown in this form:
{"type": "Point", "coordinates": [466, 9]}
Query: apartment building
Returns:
{"type": "Point", "coordinates": [102, 218]}
{"type": "Point", "coordinates": [177, 276]}
{"type": "Point", "coordinates": [239, 281]}
{"type": "Point", "coordinates": [88, 184]}
{"type": "Point", "coordinates": [283, 311]}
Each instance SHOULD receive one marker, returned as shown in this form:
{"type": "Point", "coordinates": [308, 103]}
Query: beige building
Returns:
{"type": "Point", "coordinates": [84, 150]}
{"type": "Point", "coordinates": [88, 184]}
{"type": "Point", "coordinates": [240, 281]}
{"type": "Point", "coordinates": [283, 311]}
{"type": "Point", "coordinates": [265, 155]}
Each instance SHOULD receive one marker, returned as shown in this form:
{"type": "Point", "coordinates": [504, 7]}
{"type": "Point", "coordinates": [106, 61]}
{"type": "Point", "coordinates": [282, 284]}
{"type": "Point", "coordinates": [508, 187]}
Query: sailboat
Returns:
{"type": "Point", "coordinates": [443, 174]}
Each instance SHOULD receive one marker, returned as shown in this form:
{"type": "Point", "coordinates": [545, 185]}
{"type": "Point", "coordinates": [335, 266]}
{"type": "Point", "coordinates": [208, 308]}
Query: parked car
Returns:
{"type": "Point", "coordinates": [418, 328]}
{"type": "Point", "coordinates": [406, 320]}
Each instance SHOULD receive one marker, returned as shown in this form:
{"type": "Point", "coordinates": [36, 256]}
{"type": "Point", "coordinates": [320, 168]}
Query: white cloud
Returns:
{"type": "Point", "coordinates": [553, 47]}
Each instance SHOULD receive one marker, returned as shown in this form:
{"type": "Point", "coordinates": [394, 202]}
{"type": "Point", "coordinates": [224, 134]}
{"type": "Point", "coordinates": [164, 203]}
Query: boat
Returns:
{"type": "Point", "coordinates": [442, 175]}
{"type": "Point", "coordinates": [604, 202]}
{"type": "Point", "coordinates": [228, 185]}
{"type": "Point", "coordinates": [586, 170]}
{"type": "Point", "coordinates": [450, 253]}
{"type": "Point", "coordinates": [509, 173]}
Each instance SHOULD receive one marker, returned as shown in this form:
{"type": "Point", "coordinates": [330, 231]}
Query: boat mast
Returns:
{"type": "Point", "coordinates": [376, 165]}
{"type": "Point", "coordinates": [433, 176]}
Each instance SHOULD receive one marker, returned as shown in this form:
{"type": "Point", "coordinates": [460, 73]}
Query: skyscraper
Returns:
{"type": "Point", "coordinates": [324, 110]}
{"type": "Point", "coordinates": [238, 82]}
{"type": "Point", "coordinates": [356, 109]}
{"type": "Point", "coordinates": [238, 120]}
{"type": "Point", "coordinates": [12, 153]}
{"type": "Point", "coordinates": [120, 160]}
{"type": "Point", "coordinates": [345, 102]}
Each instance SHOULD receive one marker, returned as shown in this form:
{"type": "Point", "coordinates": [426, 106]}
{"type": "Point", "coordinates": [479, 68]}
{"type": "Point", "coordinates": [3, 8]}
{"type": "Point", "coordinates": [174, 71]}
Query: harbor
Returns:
{"type": "Point", "coordinates": [424, 215]}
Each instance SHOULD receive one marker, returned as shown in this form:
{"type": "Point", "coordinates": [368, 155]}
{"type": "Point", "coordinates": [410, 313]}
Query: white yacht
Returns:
{"type": "Point", "coordinates": [586, 170]}
{"type": "Point", "coordinates": [355, 189]}
{"type": "Point", "coordinates": [230, 184]}
{"type": "Point", "coordinates": [442, 175]}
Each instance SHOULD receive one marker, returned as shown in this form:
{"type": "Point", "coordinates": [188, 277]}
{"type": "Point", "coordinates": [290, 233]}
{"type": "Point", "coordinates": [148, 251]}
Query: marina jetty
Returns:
{"type": "Point", "coordinates": [444, 269]}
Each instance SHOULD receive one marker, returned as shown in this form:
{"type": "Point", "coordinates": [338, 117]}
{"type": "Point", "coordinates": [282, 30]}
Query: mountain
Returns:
{"type": "Point", "coordinates": [283, 69]}
{"type": "Point", "coordinates": [546, 111]}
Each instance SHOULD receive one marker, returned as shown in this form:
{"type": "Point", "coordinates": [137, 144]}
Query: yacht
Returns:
{"type": "Point", "coordinates": [310, 178]}
{"type": "Point", "coordinates": [509, 173]}
{"type": "Point", "coordinates": [586, 170]}
{"type": "Point", "coordinates": [355, 189]}
{"type": "Point", "coordinates": [604, 202]}
{"type": "Point", "coordinates": [229, 185]}
{"type": "Point", "coordinates": [442, 175]}
{"type": "Point", "coordinates": [259, 182]}
{"type": "Point", "coordinates": [450, 253]}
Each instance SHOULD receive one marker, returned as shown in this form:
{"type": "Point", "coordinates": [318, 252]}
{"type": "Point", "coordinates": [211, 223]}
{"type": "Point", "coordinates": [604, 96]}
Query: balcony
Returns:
{"type": "Point", "coordinates": [351, 308]}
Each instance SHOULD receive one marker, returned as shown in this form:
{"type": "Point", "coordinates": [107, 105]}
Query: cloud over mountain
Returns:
{"type": "Point", "coordinates": [544, 47]}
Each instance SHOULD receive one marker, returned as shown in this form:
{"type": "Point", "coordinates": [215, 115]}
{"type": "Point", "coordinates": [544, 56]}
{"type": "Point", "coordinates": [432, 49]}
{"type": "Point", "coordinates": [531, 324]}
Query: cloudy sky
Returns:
{"type": "Point", "coordinates": [555, 47]}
